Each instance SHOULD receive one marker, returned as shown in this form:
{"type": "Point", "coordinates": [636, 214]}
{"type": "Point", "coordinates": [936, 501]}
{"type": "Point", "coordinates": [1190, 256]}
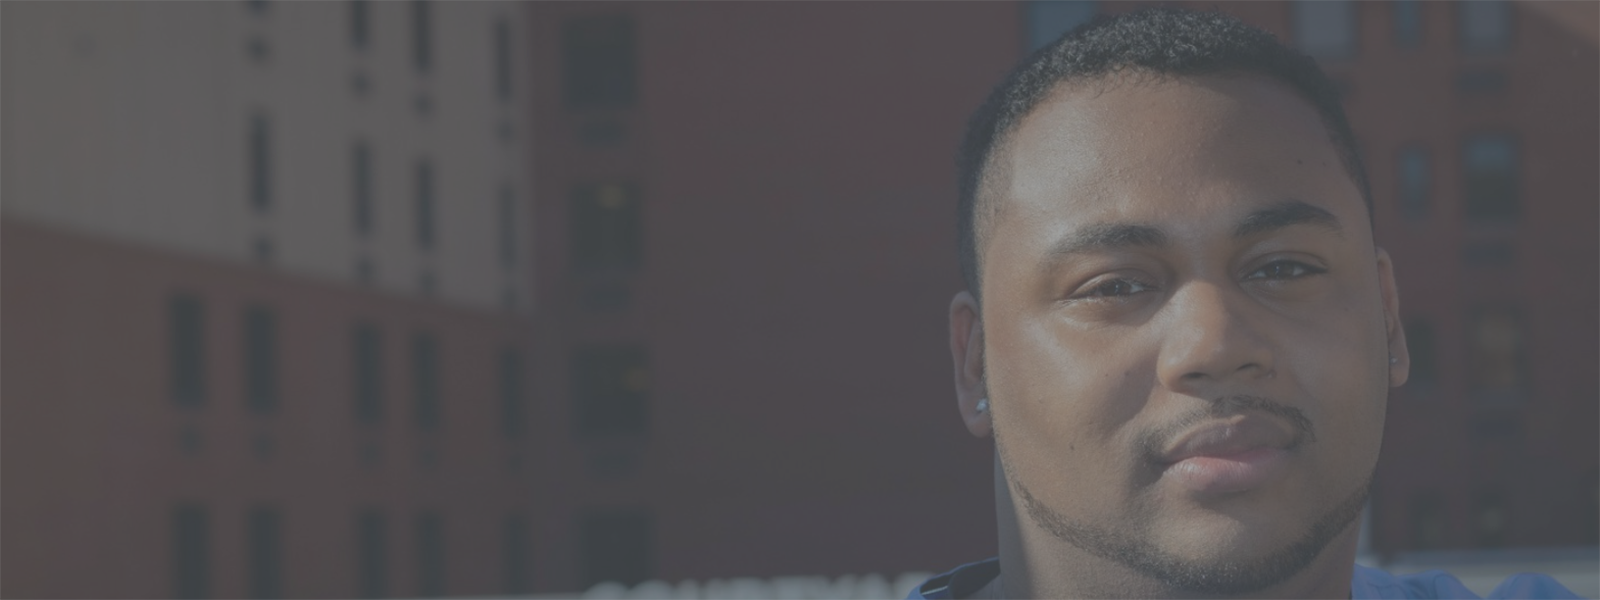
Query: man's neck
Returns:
{"type": "Point", "coordinates": [1322, 579]}
{"type": "Point", "coordinates": [1035, 564]}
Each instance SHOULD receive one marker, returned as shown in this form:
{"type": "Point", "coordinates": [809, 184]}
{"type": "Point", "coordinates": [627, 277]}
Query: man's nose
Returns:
{"type": "Point", "coordinates": [1214, 339]}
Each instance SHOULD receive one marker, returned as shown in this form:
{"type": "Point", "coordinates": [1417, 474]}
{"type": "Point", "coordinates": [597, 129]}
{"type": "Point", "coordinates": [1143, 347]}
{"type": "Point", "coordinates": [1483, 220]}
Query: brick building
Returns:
{"type": "Point", "coordinates": [267, 293]}
{"type": "Point", "coordinates": [636, 290]}
{"type": "Point", "coordinates": [781, 259]}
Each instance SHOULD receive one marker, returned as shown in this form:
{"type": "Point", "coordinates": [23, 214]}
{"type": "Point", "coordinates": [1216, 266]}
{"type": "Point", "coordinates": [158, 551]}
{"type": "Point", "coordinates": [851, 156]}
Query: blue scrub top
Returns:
{"type": "Point", "coordinates": [1364, 583]}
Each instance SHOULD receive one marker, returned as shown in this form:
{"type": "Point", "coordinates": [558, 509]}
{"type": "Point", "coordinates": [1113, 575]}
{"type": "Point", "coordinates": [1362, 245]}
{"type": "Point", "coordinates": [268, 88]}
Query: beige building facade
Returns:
{"type": "Point", "coordinates": [383, 144]}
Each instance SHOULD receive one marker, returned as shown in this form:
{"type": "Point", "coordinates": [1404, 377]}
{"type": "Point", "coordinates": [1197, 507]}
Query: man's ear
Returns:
{"type": "Point", "coordinates": [966, 350]}
{"type": "Point", "coordinates": [1399, 356]}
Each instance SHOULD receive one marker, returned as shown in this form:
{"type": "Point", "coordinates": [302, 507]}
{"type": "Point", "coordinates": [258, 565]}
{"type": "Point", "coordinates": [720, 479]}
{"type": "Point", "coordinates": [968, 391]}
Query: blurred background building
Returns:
{"type": "Point", "coordinates": [398, 299]}
{"type": "Point", "coordinates": [746, 220]}
{"type": "Point", "coordinates": [268, 284]}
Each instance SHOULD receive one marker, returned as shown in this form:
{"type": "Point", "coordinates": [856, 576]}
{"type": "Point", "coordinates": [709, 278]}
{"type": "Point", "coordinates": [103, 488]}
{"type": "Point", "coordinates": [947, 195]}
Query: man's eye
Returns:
{"type": "Point", "coordinates": [1115, 288]}
{"type": "Point", "coordinates": [1285, 269]}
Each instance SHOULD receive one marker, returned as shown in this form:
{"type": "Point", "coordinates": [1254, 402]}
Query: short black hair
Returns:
{"type": "Point", "coordinates": [1157, 41]}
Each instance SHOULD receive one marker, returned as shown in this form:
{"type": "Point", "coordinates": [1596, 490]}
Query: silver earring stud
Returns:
{"type": "Point", "coordinates": [1394, 360]}
{"type": "Point", "coordinates": [983, 406]}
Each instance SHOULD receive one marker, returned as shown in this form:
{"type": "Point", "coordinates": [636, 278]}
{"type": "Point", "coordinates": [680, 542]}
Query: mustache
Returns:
{"type": "Point", "coordinates": [1152, 442]}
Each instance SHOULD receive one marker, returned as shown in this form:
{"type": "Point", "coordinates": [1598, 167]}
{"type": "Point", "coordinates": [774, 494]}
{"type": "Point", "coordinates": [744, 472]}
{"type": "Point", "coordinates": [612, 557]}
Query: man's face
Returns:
{"type": "Point", "coordinates": [1187, 330]}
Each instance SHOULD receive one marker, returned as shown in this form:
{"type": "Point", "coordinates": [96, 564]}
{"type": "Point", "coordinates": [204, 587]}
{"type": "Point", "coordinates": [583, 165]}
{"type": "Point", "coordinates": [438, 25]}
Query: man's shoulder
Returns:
{"type": "Point", "coordinates": [1367, 582]}
{"type": "Point", "coordinates": [959, 582]}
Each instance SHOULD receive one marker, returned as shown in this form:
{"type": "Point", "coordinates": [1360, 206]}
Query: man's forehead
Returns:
{"type": "Point", "coordinates": [1102, 148]}
{"type": "Point", "coordinates": [1135, 118]}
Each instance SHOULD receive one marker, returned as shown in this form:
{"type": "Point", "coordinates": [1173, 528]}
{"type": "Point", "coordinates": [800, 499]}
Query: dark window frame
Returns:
{"type": "Point", "coordinates": [431, 567]}
{"type": "Point", "coordinates": [502, 58]}
{"type": "Point", "coordinates": [1422, 345]}
{"type": "Point", "coordinates": [508, 227]}
{"type": "Point", "coordinates": [1500, 45]}
{"type": "Point", "coordinates": [608, 399]}
{"type": "Point", "coordinates": [191, 552]}
{"type": "Point", "coordinates": [372, 560]}
{"type": "Point", "coordinates": [361, 186]}
{"type": "Point", "coordinates": [367, 368]}
{"type": "Point", "coordinates": [265, 552]}
{"type": "Point", "coordinates": [427, 386]}
{"type": "Point", "coordinates": [426, 182]}
{"type": "Point", "coordinates": [360, 24]}
{"type": "Point", "coordinates": [1485, 363]}
{"type": "Point", "coordinates": [617, 545]}
{"type": "Point", "coordinates": [606, 227]}
{"type": "Point", "coordinates": [1486, 196]}
{"type": "Point", "coordinates": [1352, 47]}
{"type": "Point", "coordinates": [261, 364]}
{"type": "Point", "coordinates": [1040, 28]}
{"type": "Point", "coordinates": [187, 350]}
{"type": "Point", "coordinates": [422, 35]}
{"type": "Point", "coordinates": [1407, 23]}
{"type": "Point", "coordinates": [600, 62]}
{"type": "Point", "coordinates": [1415, 196]}
{"type": "Point", "coordinates": [513, 412]}
{"type": "Point", "coordinates": [259, 167]}
{"type": "Point", "coordinates": [517, 554]}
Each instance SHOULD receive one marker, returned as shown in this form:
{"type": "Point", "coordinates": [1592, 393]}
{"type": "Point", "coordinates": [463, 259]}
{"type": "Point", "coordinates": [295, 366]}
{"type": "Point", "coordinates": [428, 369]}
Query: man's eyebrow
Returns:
{"type": "Point", "coordinates": [1105, 236]}
{"type": "Point", "coordinates": [1285, 214]}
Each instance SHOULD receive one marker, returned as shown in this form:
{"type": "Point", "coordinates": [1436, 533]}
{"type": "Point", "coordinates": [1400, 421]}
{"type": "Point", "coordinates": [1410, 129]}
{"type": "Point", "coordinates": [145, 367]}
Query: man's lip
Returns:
{"type": "Point", "coordinates": [1228, 437]}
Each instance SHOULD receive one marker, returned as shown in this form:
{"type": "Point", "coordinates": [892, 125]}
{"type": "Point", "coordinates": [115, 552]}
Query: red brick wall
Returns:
{"type": "Point", "coordinates": [795, 162]}
{"type": "Point", "coordinates": [92, 451]}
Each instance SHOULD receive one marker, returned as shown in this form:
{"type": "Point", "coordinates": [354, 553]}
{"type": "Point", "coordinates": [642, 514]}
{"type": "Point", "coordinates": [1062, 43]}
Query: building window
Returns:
{"type": "Point", "coordinates": [1407, 15]}
{"type": "Point", "coordinates": [372, 561]}
{"type": "Point", "coordinates": [1048, 20]}
{"type": "Point", "coordinates": [368, 346]}
{"type": "Point", "coordinates": [261, 359]}
{"type": "Point", "coordinates": [617, 546]}
{"type": "Point", "coordinates": [606, 224]}
{"type": "Point", "coordinates": [421, 35]}
{"type": "Point", "coordinates": [190, 552]}
{"type": "Point", "coordinates": [600, 62]}
{"type": "Point", "coordinates": [425, 382]}
{"type": "Point", "coordinates": [1416, 182]}
{"type": "Point", "coordinates": [1498, 349]}
{"type": "Point", "coordinates": [361, 186]}
{"type": "Point", "coordinates": [430, 555]}
{"type": "Point", "coordinates": [512, 417]}
{"type": "Point", "coordinates": [188, 355]}
{"type": "Point", "coordinates": [1491, 178]}
{"type": "Point", "coordinates": [611, 385]}
{"type": "Point", "coordinates": [266, 554]}
{"type": "Point", "coordinates": [360, 22]}
{"type": "Point", "coordinates": [508, 227]}
{"type": "Point", "coordinates": [1427, 522]}
{"type": "Point", "coordinates": [518, 556]}
{"type": "Point", "coordinates": [1484, 26]}
{"type": "Point", "coordinates": [1424, 358]}
{"type": "Point", "coordinates": [1326, 28]}
{"type": "Point", "coordinates": [502, 59]}
{"type": "Point", "coordinates": [425, 225]}
{"type": "Point", "coordinates": [260, 167]}
{"type": "Point", "coordinates": [1491, 519]}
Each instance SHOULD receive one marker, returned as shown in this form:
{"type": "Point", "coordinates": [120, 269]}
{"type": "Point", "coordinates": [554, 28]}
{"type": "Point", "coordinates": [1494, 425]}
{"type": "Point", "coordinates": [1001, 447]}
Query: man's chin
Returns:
{"type": "Point", "coordinates": [1219, 544]}
{"type": "Point", "coordinates": [1201, 550]}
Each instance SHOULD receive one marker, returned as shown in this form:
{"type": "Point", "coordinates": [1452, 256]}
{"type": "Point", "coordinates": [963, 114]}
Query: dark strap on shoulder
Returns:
{"type": "Point", "coordinates": [962, 582]}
